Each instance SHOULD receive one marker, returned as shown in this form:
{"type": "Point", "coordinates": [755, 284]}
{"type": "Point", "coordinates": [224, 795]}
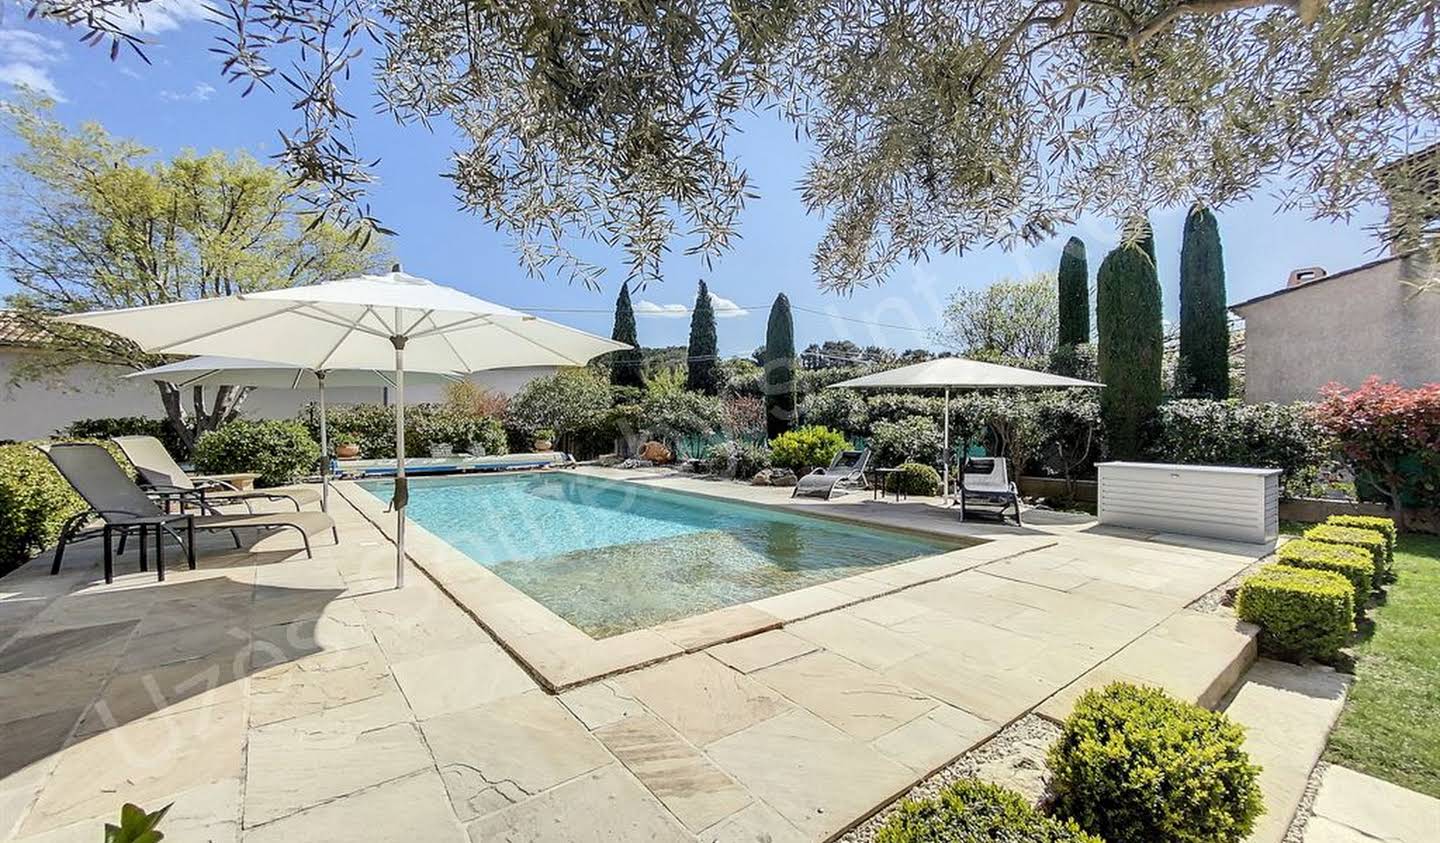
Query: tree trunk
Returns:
{"type": "Point", "coordinates": [224, 407]}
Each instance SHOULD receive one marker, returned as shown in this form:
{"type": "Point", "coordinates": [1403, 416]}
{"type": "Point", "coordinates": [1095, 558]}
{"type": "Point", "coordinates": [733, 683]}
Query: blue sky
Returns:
{"type": "Point", "coordinates": [181, 102]}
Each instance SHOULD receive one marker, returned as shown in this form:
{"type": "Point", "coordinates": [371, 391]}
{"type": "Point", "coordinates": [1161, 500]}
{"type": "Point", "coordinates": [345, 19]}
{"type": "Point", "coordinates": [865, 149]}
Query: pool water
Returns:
{"type": "Point", "coordinates": [610, 557]}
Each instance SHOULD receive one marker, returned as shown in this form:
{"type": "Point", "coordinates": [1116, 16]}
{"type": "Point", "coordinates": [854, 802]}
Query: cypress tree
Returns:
{"type": "Point", "coordinates": [1074, 281]}
{"type": "Point", "coordinates": [1204, 364]}
{"type": "Point", "coordinates": [1127, 314]}
{"type": "Point", "coordinates": [625, 365]}
{"type": "Point", "coordinates": [704, 370]}
{"type": "Point", "coordinates": [779, 369]}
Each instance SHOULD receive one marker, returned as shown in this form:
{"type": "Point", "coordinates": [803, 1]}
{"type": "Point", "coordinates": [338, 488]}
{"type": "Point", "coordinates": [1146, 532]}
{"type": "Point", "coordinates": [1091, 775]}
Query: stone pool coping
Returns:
{"type": "Point", "coordinates": [561, 656]}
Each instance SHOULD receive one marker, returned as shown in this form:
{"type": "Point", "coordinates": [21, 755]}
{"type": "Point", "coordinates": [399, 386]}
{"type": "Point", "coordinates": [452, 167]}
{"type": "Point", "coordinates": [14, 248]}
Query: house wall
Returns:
{"type": "Point", "coordinates": [34, 409]}
{"type": "Point", "coordinates": [1345, 328]}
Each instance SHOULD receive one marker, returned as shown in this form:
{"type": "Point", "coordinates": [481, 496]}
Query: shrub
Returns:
{"type": "Point", "coordinates": [744, 417]}
{"type": "Point", "coordinates": [677, 416]}
{"type": "Point", "coordinates": [804, 448]}
{"type": "Point", "coordinates": [916, 439]}
{"type": "Point", "coordinates": [736, 459]}
{"type": "Point", "coordinates": [1372, 542]}
{"type": "Point", "coordinates": [1301, 612]}
{"type": "Point", "coordinates": [35, 501]}
{"type": "Point", "coordinates": [1378, 523]}
{"type": "Point", "coordinates": [1284, 436]}
{"type": "Point", "coordinates": [570, 401]}
{"type": "Point", "coordinates": [972, 811]}
{"type": "Point", "coordinates": [102, 429]}
{"type": "Point", "coordinates": [914, 478]}
{"type": "Point", "coordinates": [279, 451]}
{"type": "Point", "coordinates": [372, 427]}
{"type": "Point", "coordinates": [1075, 361]}
{"type": "Point", "coordinates": [1389, 435]}
{"type": "Point", "coordinates": [1353, 563]}
{"type": "Point", "coordinates": [1135, 765]}
{"type": "Point", "coordinates": [900, 406]}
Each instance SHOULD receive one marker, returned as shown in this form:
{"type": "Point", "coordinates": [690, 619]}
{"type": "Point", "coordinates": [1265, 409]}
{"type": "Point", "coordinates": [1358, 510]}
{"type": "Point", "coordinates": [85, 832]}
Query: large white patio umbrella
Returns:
{"type": "Point", "coordinates": [950, 373]}
{"type": "Point", "coordinates": [209, 370]}
{"type": "Point", "coordinates": [392, 321]}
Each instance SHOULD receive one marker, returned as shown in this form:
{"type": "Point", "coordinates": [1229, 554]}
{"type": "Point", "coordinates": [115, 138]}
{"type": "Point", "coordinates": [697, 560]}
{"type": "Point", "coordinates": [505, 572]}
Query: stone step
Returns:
{"type": "Point", "coordinates": [1196, 656]}
{"type": "Point", "coordinates": [1288, 711]}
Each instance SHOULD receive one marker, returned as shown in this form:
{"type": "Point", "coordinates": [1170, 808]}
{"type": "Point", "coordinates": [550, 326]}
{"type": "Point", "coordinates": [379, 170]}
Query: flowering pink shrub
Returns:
{"type": "Point", "coordinates": [1390, 434]}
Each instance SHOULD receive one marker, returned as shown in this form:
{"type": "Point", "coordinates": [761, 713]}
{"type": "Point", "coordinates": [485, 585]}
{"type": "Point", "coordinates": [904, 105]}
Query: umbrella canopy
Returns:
{"type": "Point", "coordinates": [960, 373]}
{"type": "Point", "coordinates": [393, 321]}
{"type": "Point", "coordinates": [232, 371]}
{"type": "Point", "coordinates": [949, 373]}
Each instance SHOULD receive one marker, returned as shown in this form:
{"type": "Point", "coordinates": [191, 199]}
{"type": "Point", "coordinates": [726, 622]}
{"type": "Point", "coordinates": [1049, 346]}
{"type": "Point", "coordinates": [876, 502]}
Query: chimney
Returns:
{"type": "Point", "coordinates": [1304, 276]}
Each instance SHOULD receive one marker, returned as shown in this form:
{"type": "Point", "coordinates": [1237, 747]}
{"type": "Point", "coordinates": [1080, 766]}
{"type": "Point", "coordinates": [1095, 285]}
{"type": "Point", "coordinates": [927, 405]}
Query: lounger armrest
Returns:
{"type": "Point", "coordinates": [213, 483]}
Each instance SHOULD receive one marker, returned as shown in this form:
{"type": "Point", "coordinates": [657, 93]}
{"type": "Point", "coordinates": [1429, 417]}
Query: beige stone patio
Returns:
{"type": "Point", "coordinates": [277, 698]}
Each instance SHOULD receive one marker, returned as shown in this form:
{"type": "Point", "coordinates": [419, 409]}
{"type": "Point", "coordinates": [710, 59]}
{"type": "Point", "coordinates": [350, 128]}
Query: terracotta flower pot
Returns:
{"type": "Point", "coordinates": [347, 451]}
{"type": "Point", "coordinates": [543, 444]}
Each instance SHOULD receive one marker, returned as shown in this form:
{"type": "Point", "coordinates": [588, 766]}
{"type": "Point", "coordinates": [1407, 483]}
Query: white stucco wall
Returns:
{"type": "Point", "coordinates": [36, 409]}
{"type": "Point", "coordinates": [1344, 328]}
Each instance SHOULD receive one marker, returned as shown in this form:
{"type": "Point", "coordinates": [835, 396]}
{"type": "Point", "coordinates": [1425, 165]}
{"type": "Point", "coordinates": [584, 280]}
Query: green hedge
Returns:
{"type": "Point", "coordinates": [1135, 765]}
{"type": "Point", "coordinates": [1353, 563]}
{"type": "Point", "coordinates": [1372, 542]}
{"type": "Point", "coordinates": [972, 811]}
{"type": "Point", "coordinates": [279, 451]}
{"type": "Point", "coordinates": [372, 426]}
{"type": "Point", "coordinates": [914, 478]}
{"type": "Point", "coordinates": [1378, 523]}
{"type": "Point", "coordinates": [1302, 613]}
{"type": "Point", "coordinates": [35, 501]}
{"type": "Point", "coordinates": [101, 429]}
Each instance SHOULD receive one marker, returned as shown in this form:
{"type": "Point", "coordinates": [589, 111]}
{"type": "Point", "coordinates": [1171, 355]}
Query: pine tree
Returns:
{"type": "Point", "coordinates": [625, 365]}
{"type": "Point", "coordinates": [1204, 364]}
{"type": "Point", "coordinates": [1127, 314]}
{"type": "Point", "coordinates": [779, 369]}
{"type": "Point", "coordinates": [1074, 282]}
{"type": "Point", "coordinates": [704, 370]}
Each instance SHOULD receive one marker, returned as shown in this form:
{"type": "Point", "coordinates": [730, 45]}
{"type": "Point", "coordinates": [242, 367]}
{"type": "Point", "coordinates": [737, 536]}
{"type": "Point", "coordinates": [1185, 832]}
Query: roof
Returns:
{"type": "Point", "coordinates": [1341, 274]}
{"type": "Point", "coordinates": [16, 331]}
{"type": "Point", "coordinates": [960, 373]}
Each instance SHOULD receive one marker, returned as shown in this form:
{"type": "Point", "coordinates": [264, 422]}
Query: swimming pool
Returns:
{"type": "Point", "coordinates": [610, 557]}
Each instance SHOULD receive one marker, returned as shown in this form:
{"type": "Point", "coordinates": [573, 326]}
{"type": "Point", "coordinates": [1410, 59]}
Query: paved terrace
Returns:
{"type": "Point", "coordinates": [275, 698]}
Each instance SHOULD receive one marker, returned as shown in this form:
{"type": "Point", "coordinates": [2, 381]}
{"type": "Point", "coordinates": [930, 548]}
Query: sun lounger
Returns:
{"type": "Point", "coordinates": [847, 468]}
{"type": "Point", "coordinates": [159, 473]}
{"type": "Point", "coordinates": [121, 507]}
{"type": "Point", "coordinates": [457, 464]}
{"type": "Point", "coordinates": [987, 481]}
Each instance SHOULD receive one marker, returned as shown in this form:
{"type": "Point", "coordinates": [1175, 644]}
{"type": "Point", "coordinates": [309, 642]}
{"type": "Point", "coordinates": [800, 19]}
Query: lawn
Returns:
{"type": "Point", "coordinates": [1388, 728]}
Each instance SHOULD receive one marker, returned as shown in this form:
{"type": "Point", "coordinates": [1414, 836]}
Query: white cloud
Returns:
{"type": "Point", "coordinates": [724, 309]}
{"type": "Point", "coordinates": [161, 15]}
{"type": "Point", "coordinates": [25, 58]}
{"type": "Point", "coordinates": [200, 93]}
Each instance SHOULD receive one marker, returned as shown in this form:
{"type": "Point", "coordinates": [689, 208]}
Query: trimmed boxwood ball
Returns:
{"type": "Point", "coordinates": [1135, 765]}
{"type": "Point", "coordinates": [1378, 523]}
{"type": "Point", "coordinates": [279, 451]}
{"type": "Point", "coordinates": [1302, 613]}
{"type": "Point", "coordinates": [972, 811]}
{"type": "Point", "coordinates": [1353, 563]}
{"type": "Point", "coordinates": [914, 478]}
{"type": "Point", "coordinates": [1371, 541]}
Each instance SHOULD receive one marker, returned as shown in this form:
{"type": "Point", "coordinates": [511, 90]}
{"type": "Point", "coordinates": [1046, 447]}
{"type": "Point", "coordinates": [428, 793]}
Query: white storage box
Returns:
{"type": "Point", "coordinates": [1225, 502]}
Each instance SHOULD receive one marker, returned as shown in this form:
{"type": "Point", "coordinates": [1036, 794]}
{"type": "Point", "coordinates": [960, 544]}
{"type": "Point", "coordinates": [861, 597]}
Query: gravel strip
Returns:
{"type": "Point", "coordinates": [1306, 809]}
{"type": "Point", "coordinates": [1221, 599]}
{"type": "Point", "coordinates": [1015, 758]}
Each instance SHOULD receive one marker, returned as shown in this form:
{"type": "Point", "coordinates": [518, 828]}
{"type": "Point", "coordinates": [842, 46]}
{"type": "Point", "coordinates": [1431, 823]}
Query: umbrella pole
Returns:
{"type": "Point", "coordinates": [324, 449]}
{"type": "Point", "coordinates": [948, 454]}
{"type": "Point", "coordinates": [402, 489]}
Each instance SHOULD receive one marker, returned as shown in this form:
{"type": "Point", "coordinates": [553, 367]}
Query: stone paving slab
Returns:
{"type": "Point", "coordinates": [1352, 806]}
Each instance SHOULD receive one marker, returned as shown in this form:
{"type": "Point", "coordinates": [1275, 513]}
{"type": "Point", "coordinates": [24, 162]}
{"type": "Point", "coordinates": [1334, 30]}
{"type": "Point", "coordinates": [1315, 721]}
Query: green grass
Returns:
{"type": "Point", "coordinates": [1389, 726]}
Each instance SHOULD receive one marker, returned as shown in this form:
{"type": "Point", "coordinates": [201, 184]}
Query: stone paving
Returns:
{"type": "Point", "coordinates": [271, 697]}
{"type": "Point", "coordinates": [1352, 807]}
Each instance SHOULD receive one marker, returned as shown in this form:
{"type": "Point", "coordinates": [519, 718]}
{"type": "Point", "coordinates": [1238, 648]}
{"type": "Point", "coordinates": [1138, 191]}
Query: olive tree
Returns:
{"type": "Point", "coordinates": [933, 125]}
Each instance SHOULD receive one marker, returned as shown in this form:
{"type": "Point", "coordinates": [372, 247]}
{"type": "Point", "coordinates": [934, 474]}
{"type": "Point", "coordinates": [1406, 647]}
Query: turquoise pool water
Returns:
{"type": "Point", "coordinates": [611, 557]}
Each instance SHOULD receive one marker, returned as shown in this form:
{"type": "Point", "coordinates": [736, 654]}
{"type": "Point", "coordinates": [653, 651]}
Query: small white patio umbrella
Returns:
{"type": "Point", "coordinates": [949, 373]}
{"type": "Point", "coordinates": [392, 321]}
{"type": "Point", "coordinates": [230, 371]}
